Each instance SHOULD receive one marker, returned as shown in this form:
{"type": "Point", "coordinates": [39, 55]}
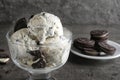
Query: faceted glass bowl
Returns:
{"type": "Point", "coordinates": [18, 51]}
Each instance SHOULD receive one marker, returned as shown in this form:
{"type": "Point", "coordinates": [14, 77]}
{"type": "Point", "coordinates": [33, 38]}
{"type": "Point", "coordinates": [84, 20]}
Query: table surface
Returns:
{"type": "Point", "coordinates": [76, 68]}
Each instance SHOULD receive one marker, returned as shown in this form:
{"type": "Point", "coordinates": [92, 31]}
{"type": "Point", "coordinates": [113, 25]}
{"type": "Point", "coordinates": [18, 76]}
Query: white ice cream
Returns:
{"type": "Point", "coordinates": [23, 37]}
{"type": "Point", "coordinates": [47, 29]}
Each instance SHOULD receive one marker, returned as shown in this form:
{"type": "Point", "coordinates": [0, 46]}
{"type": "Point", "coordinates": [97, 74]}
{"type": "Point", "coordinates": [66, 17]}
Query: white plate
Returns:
{"type": "Point", "coordinates": [116, 54]}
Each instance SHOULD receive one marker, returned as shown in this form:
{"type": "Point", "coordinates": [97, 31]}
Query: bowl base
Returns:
{"type": "Point", "coordinates": [52, 78]}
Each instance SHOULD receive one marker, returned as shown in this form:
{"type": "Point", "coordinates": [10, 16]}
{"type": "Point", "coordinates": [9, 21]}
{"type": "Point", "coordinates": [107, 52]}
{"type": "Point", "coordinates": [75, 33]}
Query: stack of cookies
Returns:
{"type": "Point", "coordinates": [96, 44]}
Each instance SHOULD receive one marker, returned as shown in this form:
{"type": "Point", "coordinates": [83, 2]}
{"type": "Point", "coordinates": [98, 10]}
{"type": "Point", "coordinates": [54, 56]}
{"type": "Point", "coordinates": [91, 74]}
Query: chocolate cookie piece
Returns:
{"type": "Point", "coordinates": [84, 42]}
{"type": "Point", "coordinates": [91, 51]}
{"type": "Point", "coordinates": [31, 16]}
{"type": "Point", "coordinates": [108, 49]}
{"type": "Point", "coordinates": [38, 54]}
{"type": "Point", "coordinates": [40, 64]}
{"type": "Point", "coordinates": [99, 35]}
{"type": "Point", "coordinates": [21, 23]}
{"type": "Point", "coordinates": [4, 58]}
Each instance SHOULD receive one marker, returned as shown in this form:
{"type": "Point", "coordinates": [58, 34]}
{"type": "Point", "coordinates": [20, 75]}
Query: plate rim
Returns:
{"type": "Point", "coordinates": [96, 57]}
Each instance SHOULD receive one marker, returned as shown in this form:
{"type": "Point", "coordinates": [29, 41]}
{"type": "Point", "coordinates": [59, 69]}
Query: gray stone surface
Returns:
{"type": "Point", "coordinates": [102, 12]}
{"type": "Point", "coordinates": [4, 16]}
{"type": "Point", "coordinates": [76, 68]}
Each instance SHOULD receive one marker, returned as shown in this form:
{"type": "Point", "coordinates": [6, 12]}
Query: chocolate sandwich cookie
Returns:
{"type": "Point", "coordinates": [83, 42]}
{"type": "Point", "coordinates": [108, 49]}
{"type": "Point", "coordinates": [99, 35]}
{"type": "Point", "coordinates": [4, 58]}
{"type": "Point", "coordinates": [90, 51]}
{"type": "Point", "coordinates": [21, 23]}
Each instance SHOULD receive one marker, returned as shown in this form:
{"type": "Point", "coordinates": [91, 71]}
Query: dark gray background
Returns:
{"type": "Point", "coordinates": [101, 12]}
{"type": "Point", "coordinates": [80, 16]}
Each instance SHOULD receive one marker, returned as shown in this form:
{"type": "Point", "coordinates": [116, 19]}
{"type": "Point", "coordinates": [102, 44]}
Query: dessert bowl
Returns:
{"type": "Point", "coordinates": [20, 56]}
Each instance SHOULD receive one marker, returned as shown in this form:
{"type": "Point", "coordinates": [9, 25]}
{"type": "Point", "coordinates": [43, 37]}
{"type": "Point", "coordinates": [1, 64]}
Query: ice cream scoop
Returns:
{"type": "Point", "coordinates": [45, 26]}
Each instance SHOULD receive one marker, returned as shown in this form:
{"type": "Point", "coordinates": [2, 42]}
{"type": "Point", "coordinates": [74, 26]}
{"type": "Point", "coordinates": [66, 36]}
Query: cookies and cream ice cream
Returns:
{"type": "Point", "coordinates": [42, 43]}
{"type": "Point", "coordinates": [46, 27]}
